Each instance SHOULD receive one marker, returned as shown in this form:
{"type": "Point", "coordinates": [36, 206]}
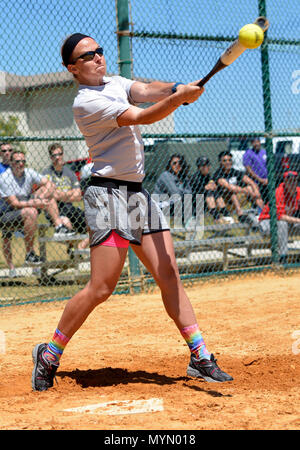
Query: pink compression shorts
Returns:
{"type": "Point", "coordinates": [114, 240]}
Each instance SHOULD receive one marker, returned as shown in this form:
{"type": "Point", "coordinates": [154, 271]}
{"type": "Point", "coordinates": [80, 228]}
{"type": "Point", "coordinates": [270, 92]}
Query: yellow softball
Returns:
{"type": "Point", "coordinates": [251, 36]}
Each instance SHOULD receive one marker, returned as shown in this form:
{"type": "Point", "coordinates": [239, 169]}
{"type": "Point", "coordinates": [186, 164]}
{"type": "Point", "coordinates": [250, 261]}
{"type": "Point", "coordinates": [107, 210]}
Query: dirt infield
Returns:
{"type": "Point", "coordinates": [129, 350]}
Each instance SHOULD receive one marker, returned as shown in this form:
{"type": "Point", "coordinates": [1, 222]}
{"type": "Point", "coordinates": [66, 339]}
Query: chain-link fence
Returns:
{"type": "Point", "coordinates": [228, 154]}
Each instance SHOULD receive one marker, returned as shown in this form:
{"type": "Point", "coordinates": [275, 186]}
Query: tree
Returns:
{"type": "Point", "coordinates": [9, 127]}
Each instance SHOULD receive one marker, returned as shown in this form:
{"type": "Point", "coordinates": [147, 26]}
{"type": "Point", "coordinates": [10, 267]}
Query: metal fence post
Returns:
{"type": "Point", "coordinates": [123, 33]}
{"type": "Point", "coordinates": [125, 69]}
{"type": "Point", "coordinates": [269, 143]}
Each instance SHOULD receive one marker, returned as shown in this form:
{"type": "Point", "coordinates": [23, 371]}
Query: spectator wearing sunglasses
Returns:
{"type": "Point", "coordinates": [232, 183]}
{"type": "Point", "coordinates": [175, 179]}
{"type": "Point", "coordinates": [67, 191]}
{"type": "Point", "coordinates": [5, 152]}
{"type": "Point", "coordinates": [22, 207]}
{"type": "Point", "coordinates": [173, 184]}
{"type": "Point", "coordinates": [117, 206]}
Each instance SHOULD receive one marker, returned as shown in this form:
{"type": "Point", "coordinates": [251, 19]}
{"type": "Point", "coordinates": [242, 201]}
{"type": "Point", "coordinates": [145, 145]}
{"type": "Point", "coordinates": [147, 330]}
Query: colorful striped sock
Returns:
{"type": "Point", "coordinates": [195, 341]}
{"type": "Point", "coordinates": [56, 347]}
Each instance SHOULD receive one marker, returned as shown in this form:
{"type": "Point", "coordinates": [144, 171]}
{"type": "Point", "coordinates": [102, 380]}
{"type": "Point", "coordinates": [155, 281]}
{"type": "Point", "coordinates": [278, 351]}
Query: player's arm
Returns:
{"type": "Point", "coordinates": [154, 91]}
{"type": "Point", "coordinates": [150, 92]}
{"type": "Point", "coordinates": [163, 108]}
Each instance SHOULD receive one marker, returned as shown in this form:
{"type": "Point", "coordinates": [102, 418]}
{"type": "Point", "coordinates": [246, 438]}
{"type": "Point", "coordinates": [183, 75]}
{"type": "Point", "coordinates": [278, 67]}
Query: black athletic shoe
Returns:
{"type": "Point", "coordinates": [207, 369]}
{"type": "Point", "coordinates": [61, 231]}
{"type": "Point", "coordinates": [243, 219]}
{"type": "Point", "coordinates": [43, 372]}
{"type": "Point", "coordinates": [32, 258]}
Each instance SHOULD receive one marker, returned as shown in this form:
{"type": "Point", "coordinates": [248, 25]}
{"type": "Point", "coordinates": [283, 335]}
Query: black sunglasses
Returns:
{"type": "Point", "coordinates": [89, 56]}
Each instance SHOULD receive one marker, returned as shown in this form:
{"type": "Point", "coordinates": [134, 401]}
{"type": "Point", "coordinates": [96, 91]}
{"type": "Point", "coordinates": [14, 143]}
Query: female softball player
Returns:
{"type": "Point", "coordinates": [119, 212]}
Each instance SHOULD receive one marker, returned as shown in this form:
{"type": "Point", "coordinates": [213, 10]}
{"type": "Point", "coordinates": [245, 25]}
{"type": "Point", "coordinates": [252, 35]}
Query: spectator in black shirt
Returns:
{"type": "Point", "coordinates": [202, 183]}
{"type": "Point", "coordinates": [232, 182]}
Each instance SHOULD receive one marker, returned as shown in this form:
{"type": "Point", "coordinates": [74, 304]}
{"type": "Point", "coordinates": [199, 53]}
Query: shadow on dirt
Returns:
{"type": "Point", "coordinates": [109, 376]}
{"type": "Point", "coordinates": [115, 376]}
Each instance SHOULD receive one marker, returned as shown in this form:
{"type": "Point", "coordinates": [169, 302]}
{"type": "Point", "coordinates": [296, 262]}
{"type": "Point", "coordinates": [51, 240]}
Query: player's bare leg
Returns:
{"type": "Point", "coordinates": [101, 285]}
{"type": "Point", "coordinates": [104, 277]}
{"type": "Point", "coordinates": [158, 256]}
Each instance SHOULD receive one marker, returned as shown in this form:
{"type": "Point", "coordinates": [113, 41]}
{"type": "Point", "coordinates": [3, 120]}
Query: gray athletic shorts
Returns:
{"type": "Point", "coordinates": [124, 207]}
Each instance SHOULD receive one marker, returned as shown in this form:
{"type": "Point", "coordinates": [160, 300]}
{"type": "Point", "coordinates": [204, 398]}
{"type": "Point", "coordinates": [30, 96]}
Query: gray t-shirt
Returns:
{"type": "Point", "coordinates": [20, 187]}
{"type": "Point", "coordinates": [168, 183]}
{"type": "Point", "coordinates": [117, 152]}
{"type": "Point", "coordinates": [64, 180]}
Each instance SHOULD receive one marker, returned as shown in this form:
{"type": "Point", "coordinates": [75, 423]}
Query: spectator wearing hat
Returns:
{"type": "Point", "coordinates": [203, 183]}
{"type": "Point", "coordinates": [287, 197]}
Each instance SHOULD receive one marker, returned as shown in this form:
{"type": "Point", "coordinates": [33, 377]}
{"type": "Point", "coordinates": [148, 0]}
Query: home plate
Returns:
{"type": "Point", "coordinates": [121, 407]}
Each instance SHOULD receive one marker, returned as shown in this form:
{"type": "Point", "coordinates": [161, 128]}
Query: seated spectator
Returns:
{"type": "Point", "coordinates": [255, 163]}
{"type": "Point", "coordinates": [287, 196]}
{"type": "Point", "coordinates": [173, 184]}
{"type": "Point", "coordinates": [202, 183]}
{"type": "Point", "coordinates": [20, 208]}
{"type": "Point", "coordinates": [67, 191]}
{"type": "Point", "coordinates": [5, 151]}
{"type": "Point", "coordinates": [232, 182]}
